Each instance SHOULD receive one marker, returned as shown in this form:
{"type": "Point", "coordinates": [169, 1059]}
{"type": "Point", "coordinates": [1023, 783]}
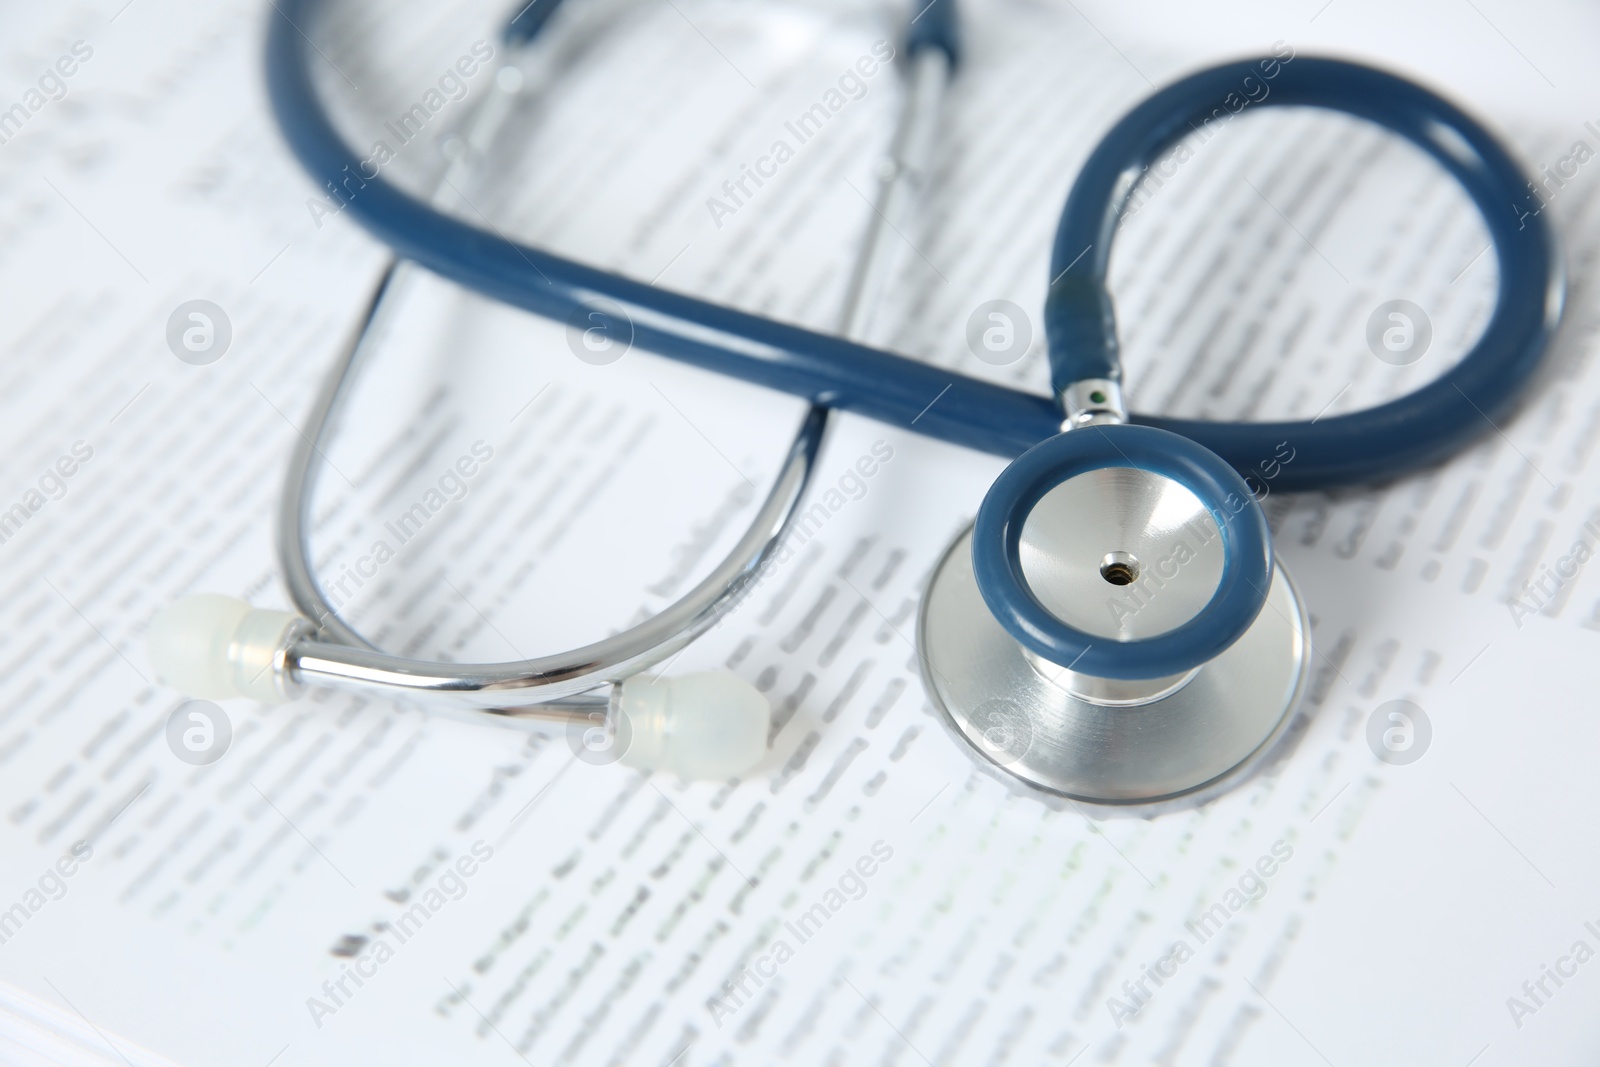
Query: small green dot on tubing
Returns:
{"type": "Point", "coordinates": [1098, 397]}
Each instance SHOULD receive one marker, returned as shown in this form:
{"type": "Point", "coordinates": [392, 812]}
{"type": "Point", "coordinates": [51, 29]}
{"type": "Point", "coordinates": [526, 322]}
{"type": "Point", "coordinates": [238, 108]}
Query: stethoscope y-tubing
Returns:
{"type": "Point", "coordinates": [1377, 444]}
{"type": "Point", "coordinates": [818, 367]}
{"type": "Point", "coordinates": [1413, 431]}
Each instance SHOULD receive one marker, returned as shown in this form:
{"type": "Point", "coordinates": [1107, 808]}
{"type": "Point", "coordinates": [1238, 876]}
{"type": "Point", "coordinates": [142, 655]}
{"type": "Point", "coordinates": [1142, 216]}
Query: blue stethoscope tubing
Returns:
{"type": "Point", "coordinates": [1376, 444]}
{"type": "Point", "coordinates": [1414, 431]}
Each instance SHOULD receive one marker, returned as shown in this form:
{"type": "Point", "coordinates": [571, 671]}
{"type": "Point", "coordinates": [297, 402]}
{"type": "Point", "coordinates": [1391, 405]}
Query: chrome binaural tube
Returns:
{"type": "Point", "coordinates": [555, 688]}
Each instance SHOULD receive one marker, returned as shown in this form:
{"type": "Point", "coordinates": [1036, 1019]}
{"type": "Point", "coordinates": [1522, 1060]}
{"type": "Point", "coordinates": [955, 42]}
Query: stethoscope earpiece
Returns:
{"type": "Point", "coordinates": [1114, 629]}
{"type": "Point", "coordinates": [707, 725]}
{"type": "Point", "coordinates": [218, 647]}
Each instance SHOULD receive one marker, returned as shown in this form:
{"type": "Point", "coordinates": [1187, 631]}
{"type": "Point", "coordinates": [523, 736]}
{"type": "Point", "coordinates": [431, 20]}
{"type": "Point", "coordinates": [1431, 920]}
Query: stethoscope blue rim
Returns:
{"type": "Point", "coordinates": [1246, 539]}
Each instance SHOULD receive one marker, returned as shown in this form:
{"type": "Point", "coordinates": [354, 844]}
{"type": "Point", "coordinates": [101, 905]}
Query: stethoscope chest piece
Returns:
{"type": "Point", "coordinates": [1098, 664]}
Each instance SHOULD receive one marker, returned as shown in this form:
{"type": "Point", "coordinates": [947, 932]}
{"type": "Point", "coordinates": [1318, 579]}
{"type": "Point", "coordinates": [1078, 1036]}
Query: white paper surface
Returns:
{"type": "Point", "coordinates": [615, 915]}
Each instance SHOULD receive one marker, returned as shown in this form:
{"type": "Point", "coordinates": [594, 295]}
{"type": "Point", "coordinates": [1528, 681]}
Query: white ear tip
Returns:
{"type": "Point", "coordinates": [711, 725]}
{"type": "Point", "coordinates": [188, 643]}
{"type": "Point", "coordinates": [218, 647]}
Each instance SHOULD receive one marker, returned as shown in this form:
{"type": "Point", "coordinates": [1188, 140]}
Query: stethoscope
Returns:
{"type": "Point", "coordinates": [1170, 690]}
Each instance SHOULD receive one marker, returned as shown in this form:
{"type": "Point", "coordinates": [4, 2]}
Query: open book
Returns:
{"type": "Point", "coordinates": [353, 881]}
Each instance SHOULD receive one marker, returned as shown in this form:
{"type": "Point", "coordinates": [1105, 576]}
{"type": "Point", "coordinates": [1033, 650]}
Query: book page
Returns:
{"type": "Point", "coordinates": [354, 880]}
